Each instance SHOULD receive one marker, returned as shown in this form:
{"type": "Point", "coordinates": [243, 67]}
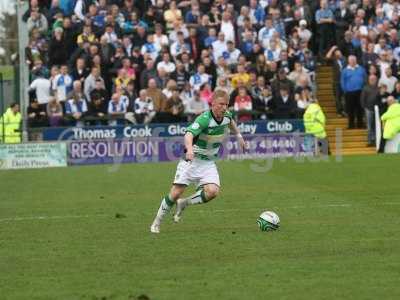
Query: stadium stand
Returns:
{"type": "Point", "coordinates": [94, 58]}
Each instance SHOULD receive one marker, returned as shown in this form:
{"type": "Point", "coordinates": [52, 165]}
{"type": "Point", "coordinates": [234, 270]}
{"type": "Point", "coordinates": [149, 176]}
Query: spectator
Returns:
{"type": "Point", "coordinates": [261, 96]}
{"type": "Point", "coordinates": [283, 105]}
{"type": "Point", "coordinates": [90, 82]}
{"type": "Point", "coordinates": [281, 80]}
{"type": "Point", "coordinates": [166, 63]}
{"type": "Point", "coordinates": [57, 53]}
{"type": "Point", "coordinates": [97, 110]}
{"type": "Point", "coordinates": [62, 84]}
{"type": "Point", "coordinates": [198, 79]}
{"type": "Point", "coordinates": [42, 87]}
{"type": "Point", "coordinates": [174, 108]}
{"type": "Point", "coordinates": [388, 80]}
{"type": "Point", "coordinates": [37, 21]}
{"type": "Point", "coordinates": [76, 109]}
{"type": "Point", "coordinates": [352, 81]}
{"type": "Point", "coordinates": [369, 98]}
{"type": "Point", "coordinates": [324, 18]}
{"type": "Point", "coordinates": [54, 112]}
{"type": "Point", "coordinates": [159, 100]}
{"type": "Point", "coordinates": [242, 104]}
{"type": "Point", "coordinates": [36, 115]}
{"type": "Point", "coordinates": [116, 110]}
{"type": "Point", "coordinates": [206, 93]}
{"type": "Point", "coordinates": [303, 100]}
{"type": "Point", "coordinates": [195, 106]}
{"type": "Point", "coordinates": [242, 76]}
{"type": "Point", "coordinates": [144, 108]}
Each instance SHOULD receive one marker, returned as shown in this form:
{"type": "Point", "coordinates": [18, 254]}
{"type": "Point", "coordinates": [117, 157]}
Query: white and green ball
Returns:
{"type": "Point", "coordinates": [268, 221]}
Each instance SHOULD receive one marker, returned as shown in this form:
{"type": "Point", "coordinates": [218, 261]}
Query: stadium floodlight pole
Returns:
{"type": "Point", "coordinates": [22, 7]}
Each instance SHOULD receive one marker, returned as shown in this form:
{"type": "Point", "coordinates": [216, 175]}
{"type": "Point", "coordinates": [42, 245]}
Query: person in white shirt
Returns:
{"type": "Point", "coordinates": [42, 87]}
{"type": "Point", "coordinates": [166, 64]}
{"type": "Point", "coordinates": [227, 27]}
{"type": "Point", "coordinates": [160, 38]}
{"type": "Point", "coordinates": [219, 46]}
{"type": "Point", "coordinates": [79, 9]}
{"type": "Point", "coordinates": [388, 80]}
{"type": "Point", "coordinates": [62, 84]}
{"type": "Point", "coordinates": [109, 35]}
{"type": "Point", "coordinates": [304, 34]}
{"type": "Point", "coordinates": [144, 108]}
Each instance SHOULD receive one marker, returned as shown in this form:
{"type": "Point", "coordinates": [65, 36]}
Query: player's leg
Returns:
{"type": "Point", "coordinates": [181, 181]}
{"type": "Point", "coordinates": [166, 204]}
{"type": "Point", "coordinates": [208, 188]}
{"type": "Point", "coordinates": [203, 195]}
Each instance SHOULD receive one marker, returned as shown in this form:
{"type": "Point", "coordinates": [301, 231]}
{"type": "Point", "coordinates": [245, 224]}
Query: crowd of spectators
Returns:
{"type": "Point", "coordinates": [108, 61]}
{"type": "Point", "coordinates": [115, 61]}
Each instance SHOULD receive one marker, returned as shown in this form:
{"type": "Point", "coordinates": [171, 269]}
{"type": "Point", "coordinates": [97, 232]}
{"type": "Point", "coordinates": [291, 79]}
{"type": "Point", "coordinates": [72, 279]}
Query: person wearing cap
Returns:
{"type": "Point", "coordinates": [304, 34]}
{"type": "Point", "coordinates": [314, 124]}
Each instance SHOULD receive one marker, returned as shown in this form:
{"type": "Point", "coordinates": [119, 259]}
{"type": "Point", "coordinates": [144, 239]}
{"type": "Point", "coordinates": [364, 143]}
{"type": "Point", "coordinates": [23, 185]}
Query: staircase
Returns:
{"type": "Point", "coordinates": [341, 140]}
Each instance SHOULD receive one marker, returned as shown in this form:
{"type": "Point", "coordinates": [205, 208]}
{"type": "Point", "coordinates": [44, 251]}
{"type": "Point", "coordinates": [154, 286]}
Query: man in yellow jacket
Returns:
{"type": "Point", "coordinates": [10, 125]}
{"type": "Point", "coordinates": [391, 119]}
{"type": "Point", "coordinates": [314, 123]}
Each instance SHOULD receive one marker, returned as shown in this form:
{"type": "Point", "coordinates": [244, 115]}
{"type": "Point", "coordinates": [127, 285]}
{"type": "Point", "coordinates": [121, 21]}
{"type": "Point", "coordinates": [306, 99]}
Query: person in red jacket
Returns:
{"type": "Point", "coordinates": [242, 104]}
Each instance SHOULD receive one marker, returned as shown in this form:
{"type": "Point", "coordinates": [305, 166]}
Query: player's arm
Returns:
{"type": "Point", "coordinates": [235, 130]}
{"type": "Point", "coordinates": [189, 146]}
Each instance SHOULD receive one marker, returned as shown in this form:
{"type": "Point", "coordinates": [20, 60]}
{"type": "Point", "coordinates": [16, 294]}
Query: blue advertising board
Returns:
{"type": "Point", "coordinates": [162, 130]}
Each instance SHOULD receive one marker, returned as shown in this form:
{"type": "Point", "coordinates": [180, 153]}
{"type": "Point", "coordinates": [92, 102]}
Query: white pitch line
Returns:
{"type": "Point", "coordinates": [300, 207]}
{"type": "Point", "coordinates": [50, 217]}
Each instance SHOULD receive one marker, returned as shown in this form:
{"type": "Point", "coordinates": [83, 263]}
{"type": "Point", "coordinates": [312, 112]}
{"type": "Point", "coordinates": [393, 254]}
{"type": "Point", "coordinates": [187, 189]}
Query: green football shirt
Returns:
{"type": "Point", "coordinates": [209, 134]}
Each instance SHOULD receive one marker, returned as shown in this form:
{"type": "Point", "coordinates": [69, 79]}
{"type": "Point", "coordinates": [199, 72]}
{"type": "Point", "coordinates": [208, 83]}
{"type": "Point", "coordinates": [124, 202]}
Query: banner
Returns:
{"type": "Point", "coordinates": [161, 130]}
{"type": "Point", "coordinates": [156, 149]}
{"type": "Point", "coordinates": [34, 155]}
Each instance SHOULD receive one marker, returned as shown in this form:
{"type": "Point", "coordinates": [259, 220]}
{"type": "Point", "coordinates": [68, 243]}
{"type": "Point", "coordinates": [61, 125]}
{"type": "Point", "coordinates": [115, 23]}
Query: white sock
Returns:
{"type": "Point", "coordinates": [197, 198]}
{"type": "Point", "coordinates": [165, 207]}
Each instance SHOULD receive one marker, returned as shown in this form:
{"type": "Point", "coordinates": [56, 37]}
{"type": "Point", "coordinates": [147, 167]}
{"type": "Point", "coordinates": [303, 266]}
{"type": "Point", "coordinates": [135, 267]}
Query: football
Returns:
{"type": "Point", "coordinates": [268, 221]}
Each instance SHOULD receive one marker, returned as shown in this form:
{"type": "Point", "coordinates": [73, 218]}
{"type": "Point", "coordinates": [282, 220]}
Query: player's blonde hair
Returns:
{"type": "Point", "coordinates": [220, 94]}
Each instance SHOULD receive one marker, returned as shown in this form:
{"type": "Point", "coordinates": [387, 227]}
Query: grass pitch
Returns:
{"type": "Point", "coordinates": [83, 233]}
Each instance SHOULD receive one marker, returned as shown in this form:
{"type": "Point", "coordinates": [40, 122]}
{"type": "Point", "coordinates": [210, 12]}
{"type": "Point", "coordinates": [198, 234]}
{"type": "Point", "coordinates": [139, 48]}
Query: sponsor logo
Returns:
{"type": "Point", "coordinates": [247, 128]}
{"type": "Point", "coordinates": [275, 126]}
{"type": "Point", "coordinates": [138, 132]}
{"type": "Point", "coordinates": [180, 130]}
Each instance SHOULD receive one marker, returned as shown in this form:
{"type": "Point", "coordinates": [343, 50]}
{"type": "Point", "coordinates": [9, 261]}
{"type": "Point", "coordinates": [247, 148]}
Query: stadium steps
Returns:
{"type": "Point", "coordinates": [342, 141]}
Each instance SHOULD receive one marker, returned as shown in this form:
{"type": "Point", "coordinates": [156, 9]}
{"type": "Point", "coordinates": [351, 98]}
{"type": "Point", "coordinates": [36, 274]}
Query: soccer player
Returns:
{"type": "Point", "coordinates": [203, 140]}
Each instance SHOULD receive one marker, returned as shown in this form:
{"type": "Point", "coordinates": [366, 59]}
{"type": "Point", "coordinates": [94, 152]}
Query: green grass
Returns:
{"type": "Point", "coordinates": [339, 235]}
